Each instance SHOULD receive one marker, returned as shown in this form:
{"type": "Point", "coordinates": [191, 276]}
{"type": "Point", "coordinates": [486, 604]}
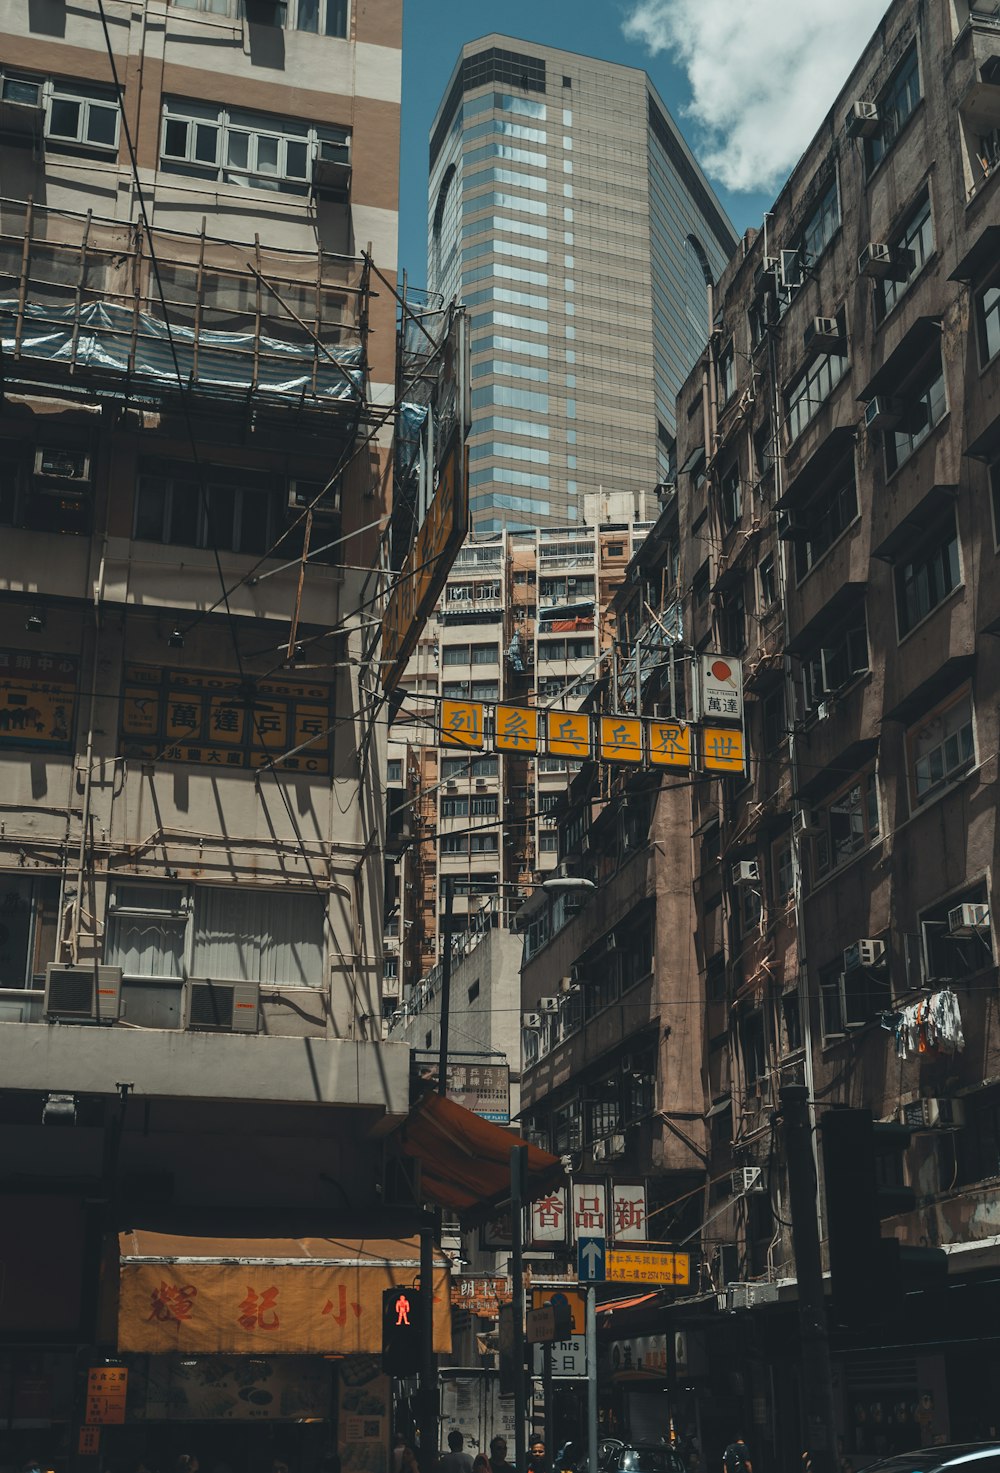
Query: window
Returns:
{"type": "Point", "coordinates": [979, 1142]}
{"type": "Point", "coordinates": [842, 656]}
{"type": "Point", "coordinates": [749, 910]}
{"type": "Point", "coordinates": [474, 990]}
{"type": "Point", "coordinates": [483, 843]}
{"type": "Point", "coordinates": [819, 228]}
{"type": "Point", "coordinates": [940, 747]}
{"type": "Point", "coordinates": [548, 843]}
{"type": "Point", "coordinates": [240, 933]}
{"type": "Point", "coordinates": [394, 771]}
{"type": "Point", "coordinates": [773, 719]}
{"type": "Point", "coordinates": [40, 506]}
{"type": "Point", "coordinates": [452, 767]}
{"type": "Point", "coordinates": [246, 148]}
{"type": "Point", "coordinates": [733, 618]}
{"type": "Point", "coordinates": [234, 511]}
{"type": "Point", "coordinates": [87, 116]}
{"type": "Point", "coordinates": [731, 496]}
{"type": "Point", "coordinates": [454, 843]}
{"type": "Point", "coordinates": [988, 320]}
{"type": "Point", "coordinates": [850, 822]}
{"type": "Point", "coordinates": [810, 391]}
{"type": "Point", "coordinates": [484, 807]}
{"type": "Point", "coordinates": [927, 574]}
{"type": "Point", "coordinates": [910, 248]}
{"type": "Point", "coordinates": [727, 372]}
{"type": "Point", "coordinates": [753, 1048]}
{"type": "Point", "coordinates": [952, 955]}
{"type": "Point", "coordinates": [213, 7]}
{"type": "Point", "coordinates": [826, 519]}
{"type": "Point", "coordinates": [895, 104]}
{"type": "Point", "coordinates": [604, 1107]}
{"type": "Point", "coordinates": [390, 967]}
{"type": "Point", "coordinates": [28, 930]}
{"type": "Point", "coordinates": [791, 1019]}
{"type": "Point", "coordinates": [767, 583]}
{"type": "Point", "coordinates": [567, 1128]}
{"type": "Point", "coordinates": [854, 997]}
{"type": "Point", "coordinates": [454, 807]}
{"type": "Point", "coordinates": [782, 871]}
{"type": "Point", "coordinates": [923, 404]}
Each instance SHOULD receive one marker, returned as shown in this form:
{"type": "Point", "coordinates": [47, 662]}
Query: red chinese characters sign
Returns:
{"type": "Point", "coordinates": [325, 1307]}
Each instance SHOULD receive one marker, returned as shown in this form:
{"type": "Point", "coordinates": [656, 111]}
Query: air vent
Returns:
{"type": "Point", "coordinates": [82, 994]}
{"type": "Point", "coordinates": [863, 120]}
{"type": "Point", "coordinates": [222, 1007]}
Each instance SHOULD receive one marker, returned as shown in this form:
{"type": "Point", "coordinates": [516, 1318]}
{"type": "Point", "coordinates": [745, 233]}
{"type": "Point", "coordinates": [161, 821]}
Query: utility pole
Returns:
{"type": "Point", "coordinates": [449, 894]}
{"type": "Point", "coordinates": [518, 1183]}
{"type": "Point", "coordinates": [591, 1343]}
{"type": "Point", "coordinates": [817, 1380]}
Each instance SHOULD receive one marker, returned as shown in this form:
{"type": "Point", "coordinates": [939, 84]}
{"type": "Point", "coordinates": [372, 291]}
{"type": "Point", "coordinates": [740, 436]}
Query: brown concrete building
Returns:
{"type": "Point", "coordinates": [191, 771]}
{"type": "Point", "coordinates": [838, 500]}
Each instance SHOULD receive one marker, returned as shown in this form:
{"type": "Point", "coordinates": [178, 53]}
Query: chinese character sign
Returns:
{"type": "Point", "coordinates": [107, 1387]}
{"type": "Point", "coordinates": [669, 744]}
{"type": "Point", "coordinates": [721, 688]}
{"type": "Point", "coordinates": [549, 1217]}
{"type": "Point", "coordinates": [567, 734]}
{"type": "Point", "coordinates": [462, 724]}
{"type": "Point", "coordinates": [37, 700]}
{"type": "Point", "coordinates": [590, 1215]}
{"type": "Point", "coordinates": [722, 749]}
{"type": "Point", "coordinates": [516, 729]}
{"type": "Point", "coordinates": [621, 739]}
{"type": "Point", "coordinates": [628, 1213]}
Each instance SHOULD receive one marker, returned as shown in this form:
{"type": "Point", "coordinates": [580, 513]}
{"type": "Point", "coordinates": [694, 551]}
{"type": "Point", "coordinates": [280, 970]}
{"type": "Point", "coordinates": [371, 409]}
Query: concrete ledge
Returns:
{"type": "Point", "coordinates": [168, 1064]}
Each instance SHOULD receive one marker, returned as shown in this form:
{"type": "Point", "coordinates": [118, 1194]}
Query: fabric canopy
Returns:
{"type": "Point", "coordinates": [465, 1160]}
{"type": "Point", "coordinates": [253, 1296]}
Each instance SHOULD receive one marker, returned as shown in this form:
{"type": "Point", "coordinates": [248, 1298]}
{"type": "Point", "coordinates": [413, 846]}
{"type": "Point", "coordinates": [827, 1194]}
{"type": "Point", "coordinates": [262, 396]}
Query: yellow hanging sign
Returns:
{"type": "Point", "coordinates": [621, 738]}
{"type": "Point", "coordinates": [722, 749]}
{"type": "Point", "coordinates": [567, 734]}
{"type": "Point", "coordinates": [462, 724]}
{"type": "Point", "coordinates": [669, 744]}
{"type": "Point", "coordinates": [516, 729]}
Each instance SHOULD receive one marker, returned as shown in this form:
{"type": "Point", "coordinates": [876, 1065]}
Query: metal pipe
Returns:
{"type": "Point", "coordinates": [518, 1175]}
{"type": "Point", "coordinates": [449, 894]}
{"type": "Point", "coordinates": [591, 1326]}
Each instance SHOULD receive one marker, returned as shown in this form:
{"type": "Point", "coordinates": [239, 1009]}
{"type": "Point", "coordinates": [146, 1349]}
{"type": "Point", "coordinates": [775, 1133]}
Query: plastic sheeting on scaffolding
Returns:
{"type": "Point", "coordinates": [104, 335]}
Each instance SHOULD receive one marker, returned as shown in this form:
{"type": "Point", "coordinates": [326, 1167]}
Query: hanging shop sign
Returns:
{"type": "Point", "coordinates": [364, 1414]}
{"type": "Point", "coordinates": [648, 1266]}
{"type": "Point", "coordinates": [516, 729]}
{"type": "Point", "coordinates": [107, 1390]}
{"type": "Point", "coordinates": [721, 688]}
{"type": "Point", "coordinates": [37, 700]}
{"type": "Point", "coordinates": [482, 1088]}
{"type": "Point", "coordinates": [589, 1212]}
{"type": "Point", "coordinates": [198, 717]}
{"type": "Point", "coordinates": [207, 1388]}
{"type": "Point", "coordinates": [628, 1212]}
{"type": "Point", "coordinates": [481, 1295]}
{"type": "Point", "coordinates": [549, 1217]}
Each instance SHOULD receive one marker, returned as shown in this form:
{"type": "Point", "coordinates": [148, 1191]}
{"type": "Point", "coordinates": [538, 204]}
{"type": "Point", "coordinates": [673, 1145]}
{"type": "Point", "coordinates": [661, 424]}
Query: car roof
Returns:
{"type": "Point", "coordinates": [931, 1459]}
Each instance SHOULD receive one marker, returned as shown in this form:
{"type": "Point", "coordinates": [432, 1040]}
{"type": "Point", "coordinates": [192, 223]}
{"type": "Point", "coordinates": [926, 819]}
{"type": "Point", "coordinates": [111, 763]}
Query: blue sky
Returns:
{"type": "Point", "coordinates": [434, 30]}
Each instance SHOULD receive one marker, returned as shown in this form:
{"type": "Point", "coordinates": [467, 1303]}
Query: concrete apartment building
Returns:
{"type": "Point", "coordinates": [567, 212]}
{"type": "Point", "coordinates": [835, 525]}
{"type": "Point", "coordinates": [190, 772]}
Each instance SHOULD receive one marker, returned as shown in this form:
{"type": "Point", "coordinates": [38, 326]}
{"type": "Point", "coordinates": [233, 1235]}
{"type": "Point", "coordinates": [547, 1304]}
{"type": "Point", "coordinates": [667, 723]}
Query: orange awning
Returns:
{"type": "Point", "coordinates": [254, 1296]}
{"type": "Point", "coordinates": [465, 1160]}
{"type": "Point", "coordinates": [613, 1304]}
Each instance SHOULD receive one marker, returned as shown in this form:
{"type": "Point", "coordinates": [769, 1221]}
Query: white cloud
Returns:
{"type": "Point", "coordinates": [763, 73]}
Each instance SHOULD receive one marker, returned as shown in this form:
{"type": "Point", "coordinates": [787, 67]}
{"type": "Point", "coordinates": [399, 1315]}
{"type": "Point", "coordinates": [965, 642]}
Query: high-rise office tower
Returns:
{"type": "Point", "coordinates": [568, 213]}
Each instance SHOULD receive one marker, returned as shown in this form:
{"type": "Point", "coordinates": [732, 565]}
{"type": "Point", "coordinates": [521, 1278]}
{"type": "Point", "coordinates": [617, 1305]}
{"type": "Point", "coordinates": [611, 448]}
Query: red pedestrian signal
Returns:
{"type": "Point", "coordinates": [402, 1331]}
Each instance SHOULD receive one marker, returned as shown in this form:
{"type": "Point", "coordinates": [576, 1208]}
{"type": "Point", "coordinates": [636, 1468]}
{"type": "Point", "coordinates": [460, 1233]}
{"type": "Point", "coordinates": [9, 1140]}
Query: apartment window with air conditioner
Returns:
{"type": "Point", "coordinates": [849, 823]}
{"type": "Point", "coordinates": [321, 17]}
{"type": "Point", "coordinates": [567, 1128]}
{"type": "Point", "coordinates": [852, 997]}
{"type": "Point", "coordinates": [226, 933]}
{"type": "Point", "coordinates": [727, 372]}
{"type": "Point", "coordinates": [753, 1050]}
{"type": "Point", "coordinates": [940, 747]}
{"type": "Point", "coordinates": [922, 404]}
{"type": "Point", "coordinates": [927, 573]}
{"type": "Point", "coordinates": [604, 1107]}
{"type": "Point", "coordinates": [809, 391]}
{"type": "Point", "coordinates": [957, 936]}
{"type": "Point", "coordinates": [839, 656]}
{"type": "Point", "coordinates": [248, 149]}
{"type": "Point", "coordinates": [910, 247]}
{"type": "Point", "coordinates": [731, 495]}
{"type": "Point", "coordinates": [826, 518]}
{"type": "Point", "coordinates": [87, 117]}
{"type": "Point", "coordinates": [896, 103]}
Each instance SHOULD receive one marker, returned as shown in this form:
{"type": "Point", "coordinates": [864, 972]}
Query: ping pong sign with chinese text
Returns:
{"type": "Point", "coordinates": [462, 724]}
{"type": "Point", "coordinates": [106, 1391]}
{"type": "Point", "coordinates": [648, 1266]}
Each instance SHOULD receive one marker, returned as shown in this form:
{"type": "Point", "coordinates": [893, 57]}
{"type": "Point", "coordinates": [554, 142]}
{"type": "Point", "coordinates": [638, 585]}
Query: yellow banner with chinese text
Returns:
{"type": "Point", "coordinates": [621, 739]}
{"type": "Point", "coordinates": [462, 724]}
{"type": "Point", "coordinates": [567, 734]}
{"type": "Point", "coordinates": [517, 729]}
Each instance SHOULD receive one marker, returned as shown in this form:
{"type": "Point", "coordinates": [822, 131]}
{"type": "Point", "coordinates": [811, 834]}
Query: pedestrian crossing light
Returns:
{"type": "Point", "coordinates": [402, 1331]}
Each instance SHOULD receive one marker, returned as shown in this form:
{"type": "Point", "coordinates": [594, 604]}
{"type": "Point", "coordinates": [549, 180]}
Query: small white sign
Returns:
{"type": "Point", "coordinates": [628, 1212]}
{"type": "Point", "coordinates": [590, 1209]}
{"type": "Point", "coordinates": [548, 1217]}
{"type": "Point", "coordinates": [721, 688]}
{"type": "Point", "coordinates": [569, 1359]}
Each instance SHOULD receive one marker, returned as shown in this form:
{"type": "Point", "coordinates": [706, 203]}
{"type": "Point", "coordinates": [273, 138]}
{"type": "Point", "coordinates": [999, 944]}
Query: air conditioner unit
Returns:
{"type": "Point", "coordinates": [302, 493]}
{"type": "Point", "coordinates": [876, 261]}
{"type": "Point", "coordinates": [549, 1004]}
{"type": "Point", "coordinates": [82, 994]}
{"type": "Point", "coordinates": [932, 1114]}
{"type": "Point", "coordinates": [748, 1296]}
{"type": "Point", "coordinates": [532, 1022]}
{"type": "Point", "coordinates": [331, 170]}
{"type": "Point", "coordinates": [480, 782]}
{"type": "Point", "coordinates": [765, 278]}
{"type": "Point", "coordinates": [451, 786]}
{"type": "Point", "coordinates": [747, 1179]}
{"type": "Point", "coordinates": [746, 401]}
{"type": "Point", "coordinates": [968, 920]}
{"type": "Point", "coordinates": [390, 986]}
{"type": "Point", "coordinates": [22, 109]}
{"type": "Point", "coordinates": [266, 12]}
{"type": "Point", "coordinates": [599, 1150]}
{"type": "Point", "coordinates": [881, 414]}
{"type": "Point", "coordinates": [863, 120]}
{"type": "Point", "coordinates": [52, 463]}
{"type": "Point", "coordinates": [864, 953]}
{"type": "Point", "coordinates": [823, 335]}
{"type": "Point", "coordinates": [610, 942]}
{"type": "Point", "coordinates": [222, 1007]}
{"type": "Point", "coordinates": [745, 872]}
{"type": "Point", "coordinates": [790, 270]}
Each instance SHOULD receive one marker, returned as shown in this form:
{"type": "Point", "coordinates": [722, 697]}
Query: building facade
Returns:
{"type": "Point", "coordinates": [837, 522]}
{"type": "Point", "coordinates": [195, 447]}
{"type": "Point", "coordinates": [567, 212]}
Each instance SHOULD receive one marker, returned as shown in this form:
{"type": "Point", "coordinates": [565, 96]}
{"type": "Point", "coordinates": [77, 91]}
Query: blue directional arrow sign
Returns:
{"type": "Point", "coordinates": [590, 1260]}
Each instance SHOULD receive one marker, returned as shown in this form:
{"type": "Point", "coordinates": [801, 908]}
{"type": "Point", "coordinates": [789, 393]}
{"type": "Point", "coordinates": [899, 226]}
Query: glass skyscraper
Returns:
{"type": "Point", "coordinates": [567, 212]}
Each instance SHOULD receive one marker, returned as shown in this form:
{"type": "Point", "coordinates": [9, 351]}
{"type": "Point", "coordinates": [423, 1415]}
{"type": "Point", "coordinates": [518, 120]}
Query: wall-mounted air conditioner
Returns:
{"type": "Point", "coordinates": [823, 335]}
{"type": "Point", "coordinates": [875, 261]}
{"type": "Point", "coordinates": [390, 986]}
{"type": "Point", "coordinates": [968, 920]}
{"type": "Point", "coordinates": [303, 493]}
{"type": "Point", "coordinates": [932, 1114]}
{"type": "Point", "coordinates": [863, 120]}
{"type": "Point", "coordinates": [82, 994]}
{"type": "Point", "coordinates": [549, 1004]}
{"type": "Point", "coordinates": [745, 872]}
{"type": "Point", "coordinates": [222, 1007]}
{"type": "Point", "coordinates": [53, 463]}
{"type": "Point", "coordinates": [881, 414]}
{"type": "Point", "coordinates": [331, 170]}
{"type": "Point", "coordinates": [747, 1179]}
{"type": "Point", "coordinates": [531, 1022]}
{"type": "Point", "coordinates": [22, 107]}
{"type": "Point", "coordinates": [599, 1150]}
{"type": "Point", "coordinates": [866, 952]}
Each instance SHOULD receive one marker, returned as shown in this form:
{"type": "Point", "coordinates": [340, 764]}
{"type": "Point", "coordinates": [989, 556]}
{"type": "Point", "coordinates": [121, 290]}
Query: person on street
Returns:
{"type": "Point", "coordinates": [498, 1456]}
{"type": "Point", "coordinates": [537, 1461]}
{"type": "Point", "coordinates": [455, 1460]}
{"type": "Point", "coordinates": [736, 1458]}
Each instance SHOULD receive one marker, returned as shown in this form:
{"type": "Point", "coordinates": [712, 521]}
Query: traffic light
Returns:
{"type": "Point", "coordinates": [868, 1272]}
{"type": "Point", "coordinates": [402, 1331]}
